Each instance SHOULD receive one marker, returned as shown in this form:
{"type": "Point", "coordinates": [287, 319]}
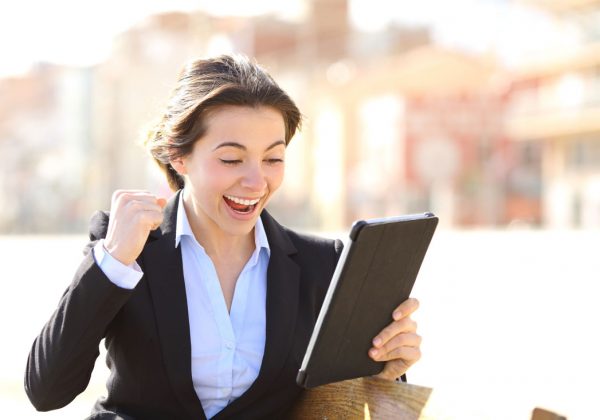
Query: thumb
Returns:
{"type": "Point", "coordinates": [162, 202]}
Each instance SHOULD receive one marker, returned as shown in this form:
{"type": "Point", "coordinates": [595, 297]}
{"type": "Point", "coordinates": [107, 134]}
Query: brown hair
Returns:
{"type": "Point", "coordinates": [204, 85]}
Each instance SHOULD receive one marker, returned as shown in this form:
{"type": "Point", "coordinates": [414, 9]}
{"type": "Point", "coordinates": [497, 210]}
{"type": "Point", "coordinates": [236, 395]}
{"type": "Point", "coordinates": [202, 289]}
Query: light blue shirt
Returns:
{"type": "Point", "coordinates": [227, 347]}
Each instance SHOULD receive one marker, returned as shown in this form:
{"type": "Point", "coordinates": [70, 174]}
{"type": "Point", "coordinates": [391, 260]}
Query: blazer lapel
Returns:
{"type": "Point", "coordinates": [283, 282]}
{"type": "Point", "coordinates": [164, 273]}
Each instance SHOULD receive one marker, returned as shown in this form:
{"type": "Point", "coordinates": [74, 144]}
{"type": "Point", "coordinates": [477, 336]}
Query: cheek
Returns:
{"type": "Point", "coordinates": [210, 179]}
{"type": "Point", "coordinates": [276, 177]}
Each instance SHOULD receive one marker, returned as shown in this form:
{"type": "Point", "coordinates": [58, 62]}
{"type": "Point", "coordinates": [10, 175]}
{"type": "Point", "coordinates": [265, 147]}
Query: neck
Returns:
{"type": "Point", "coordinates": [217, 243]}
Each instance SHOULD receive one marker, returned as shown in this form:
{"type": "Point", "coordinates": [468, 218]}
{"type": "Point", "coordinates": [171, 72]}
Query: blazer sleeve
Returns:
{"type": "Point", "coordinates": [62, 357]}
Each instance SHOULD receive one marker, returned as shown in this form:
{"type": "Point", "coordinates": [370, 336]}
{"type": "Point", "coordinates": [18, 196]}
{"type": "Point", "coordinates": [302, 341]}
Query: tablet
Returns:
{"type": "Point", "coordinates": [375, 273]}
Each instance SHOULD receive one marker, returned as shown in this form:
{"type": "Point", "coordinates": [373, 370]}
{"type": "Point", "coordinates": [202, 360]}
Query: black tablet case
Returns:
{"type": "Point", "coordinates": [381, 267]}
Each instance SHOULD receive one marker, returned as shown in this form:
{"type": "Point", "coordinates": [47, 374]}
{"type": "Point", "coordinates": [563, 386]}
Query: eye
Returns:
{"type": "Point", "coordinates": [231, 162]}
{"type": "Point", "coordinates": [274, 161]}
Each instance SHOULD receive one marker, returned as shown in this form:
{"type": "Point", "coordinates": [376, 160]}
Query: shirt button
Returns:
{"type": "Point", "coordinates": [229, 346]}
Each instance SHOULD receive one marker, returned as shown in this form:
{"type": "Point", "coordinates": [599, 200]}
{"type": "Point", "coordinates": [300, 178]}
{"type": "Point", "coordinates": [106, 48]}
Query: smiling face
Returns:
{"type": "Point", "coordinates": [233, 170]}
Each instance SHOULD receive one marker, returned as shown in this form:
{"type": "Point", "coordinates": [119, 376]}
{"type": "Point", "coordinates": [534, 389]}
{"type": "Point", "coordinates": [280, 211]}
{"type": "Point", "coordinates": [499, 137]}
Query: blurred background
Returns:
{"type": "Point", "coordinates": [486, 112]}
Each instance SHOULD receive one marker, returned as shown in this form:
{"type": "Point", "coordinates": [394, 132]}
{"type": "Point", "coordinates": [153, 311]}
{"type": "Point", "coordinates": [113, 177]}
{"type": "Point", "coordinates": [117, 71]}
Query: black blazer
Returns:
{"type": "Point", "coordinates": [147, 330]}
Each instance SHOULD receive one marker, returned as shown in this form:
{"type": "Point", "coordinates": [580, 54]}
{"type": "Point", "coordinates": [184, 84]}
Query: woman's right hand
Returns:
{"type": "Point", "coordinates": [133, 214]}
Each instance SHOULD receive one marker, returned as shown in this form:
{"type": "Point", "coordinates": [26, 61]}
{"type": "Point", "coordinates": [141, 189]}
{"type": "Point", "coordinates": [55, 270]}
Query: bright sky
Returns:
{"type": "Point", "coordinates": [80, 32]}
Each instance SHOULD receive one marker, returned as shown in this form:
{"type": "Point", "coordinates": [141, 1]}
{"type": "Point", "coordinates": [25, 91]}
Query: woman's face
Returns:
{"type": "Point", "coordinates": [234, 169]}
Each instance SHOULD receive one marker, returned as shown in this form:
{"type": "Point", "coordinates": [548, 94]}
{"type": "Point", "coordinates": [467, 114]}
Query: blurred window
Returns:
{"type": "Point", "coordinates": [525, 177]}
{"type": "Point", "coordinates": [587, 21]}
{"type": "Point", "coordinates": [593, 88]}
{"type": "Point", "coordinates": [569, 91]}
{"type": "Point", "coordinates": [583, 154]}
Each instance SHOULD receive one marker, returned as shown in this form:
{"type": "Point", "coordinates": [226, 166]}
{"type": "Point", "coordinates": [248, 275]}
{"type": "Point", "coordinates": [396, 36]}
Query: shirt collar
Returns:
{"type": "Point", "coordinates": [183, 228]}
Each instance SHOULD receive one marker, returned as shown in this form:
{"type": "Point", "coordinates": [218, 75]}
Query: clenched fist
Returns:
{"type": "Point", "coordinates": [133, 214]}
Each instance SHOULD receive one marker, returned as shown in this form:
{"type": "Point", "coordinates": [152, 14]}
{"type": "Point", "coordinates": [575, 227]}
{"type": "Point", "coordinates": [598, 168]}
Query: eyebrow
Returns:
{"type": "Point", "coordinates": [242, 147]}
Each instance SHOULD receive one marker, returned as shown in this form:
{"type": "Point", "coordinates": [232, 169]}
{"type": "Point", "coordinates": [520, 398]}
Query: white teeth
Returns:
{"type": "Point", "coordinates": [242, 201]}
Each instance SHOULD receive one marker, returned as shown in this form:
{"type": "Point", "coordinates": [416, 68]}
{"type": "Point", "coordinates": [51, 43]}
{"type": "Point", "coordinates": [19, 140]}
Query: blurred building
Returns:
{"type": "Point", "coordinates": [46, 146]}
{"type": "Point", "coordinates": [393, 124]}
{"type": "Point", "coordinates": [422, 131]}
{"type": "Point", "coordinates": [555, 117]}
{"type": "Point", "coordinates": [129, 91]}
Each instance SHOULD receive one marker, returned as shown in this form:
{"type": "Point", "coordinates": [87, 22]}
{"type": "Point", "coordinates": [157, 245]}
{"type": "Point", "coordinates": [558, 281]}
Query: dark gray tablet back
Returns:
{"type": "Point", "coordinates": [378, 274]}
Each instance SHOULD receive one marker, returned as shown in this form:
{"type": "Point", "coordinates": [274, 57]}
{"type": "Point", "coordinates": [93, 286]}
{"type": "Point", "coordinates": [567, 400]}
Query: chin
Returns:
{"type": "Point", "coordinates": [239, 227]}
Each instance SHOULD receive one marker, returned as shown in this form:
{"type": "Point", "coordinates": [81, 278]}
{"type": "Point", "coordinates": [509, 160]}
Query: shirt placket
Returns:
{"type": "Point", "coordinates": [226, 332]}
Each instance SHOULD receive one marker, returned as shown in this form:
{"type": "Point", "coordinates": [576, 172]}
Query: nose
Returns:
{"type": "Point", "coordinates": [254, 178]}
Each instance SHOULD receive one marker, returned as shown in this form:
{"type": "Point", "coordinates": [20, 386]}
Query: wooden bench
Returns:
{"type": "Point", "coordinates": [362, 398]}
{"type": "Point", "coordinates": [370, 398]}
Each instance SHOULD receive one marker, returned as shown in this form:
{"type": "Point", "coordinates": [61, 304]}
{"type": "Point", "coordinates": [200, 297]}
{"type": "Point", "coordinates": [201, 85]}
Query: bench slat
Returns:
{"type": "Point", "coordinates": [362, 398]}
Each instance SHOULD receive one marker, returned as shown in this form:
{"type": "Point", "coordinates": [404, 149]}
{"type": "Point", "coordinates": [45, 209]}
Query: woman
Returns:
{"type": "Point", "coordinates": [205, 301]}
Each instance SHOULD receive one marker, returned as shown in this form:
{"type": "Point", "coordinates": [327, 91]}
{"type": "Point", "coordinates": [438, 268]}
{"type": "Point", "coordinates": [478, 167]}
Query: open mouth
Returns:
{"type": "Point", "coordinates": [241, 205]}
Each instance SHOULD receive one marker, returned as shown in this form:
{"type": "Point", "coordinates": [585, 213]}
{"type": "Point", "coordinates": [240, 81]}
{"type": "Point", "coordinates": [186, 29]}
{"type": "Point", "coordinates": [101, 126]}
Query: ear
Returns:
{"type": "Point", "coordinates": [179, 165]}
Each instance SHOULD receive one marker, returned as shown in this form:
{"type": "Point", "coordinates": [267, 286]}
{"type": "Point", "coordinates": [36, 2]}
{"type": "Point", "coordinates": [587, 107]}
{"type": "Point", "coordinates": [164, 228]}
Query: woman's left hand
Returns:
{"type": "Point", "coordinates": [398, 344]}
